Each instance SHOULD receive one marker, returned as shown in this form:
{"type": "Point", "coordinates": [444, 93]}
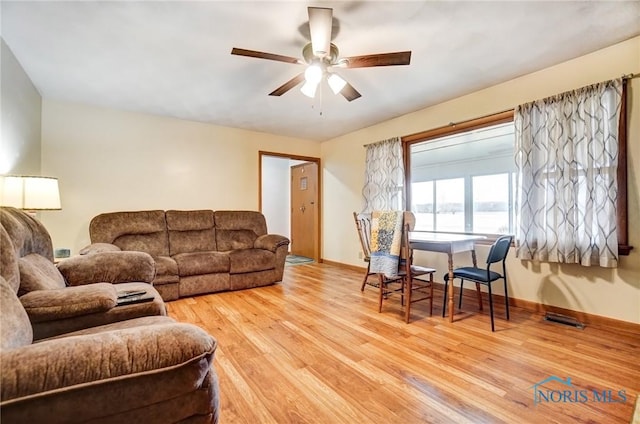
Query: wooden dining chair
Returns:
{"type": "Point", "coordinates": [416, 288]}
{"type": "Point", "coordinates": [409, 282]}
{"type": "Point", "coordinates": [389, 230]}
{"type": "Point", "coordinates": [363, 226]}
{"type": "Point", "coordinates": [484, 276]}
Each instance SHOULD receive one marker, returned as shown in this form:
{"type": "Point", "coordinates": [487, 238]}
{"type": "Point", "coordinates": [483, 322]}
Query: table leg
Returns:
{"type": "Point", "coordinates": [478, 292]}
{"type": "Point", "coordinates": [450, 287]}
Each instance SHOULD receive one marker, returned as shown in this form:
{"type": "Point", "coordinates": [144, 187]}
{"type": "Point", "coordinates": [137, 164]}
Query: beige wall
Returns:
{"type": "Point", "coordinates": [112, 160]}
{"type": "Point", "coordinates": [20, 118]}
{"type": "Point", "coordinates": [610, 293]}
{"type": "Point", "coordinates": [109, 160]}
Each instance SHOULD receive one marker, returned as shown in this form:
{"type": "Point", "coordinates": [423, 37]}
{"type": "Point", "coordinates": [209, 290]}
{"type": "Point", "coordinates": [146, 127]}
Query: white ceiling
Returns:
{"type": "Point", "coordinates": [173, 58]}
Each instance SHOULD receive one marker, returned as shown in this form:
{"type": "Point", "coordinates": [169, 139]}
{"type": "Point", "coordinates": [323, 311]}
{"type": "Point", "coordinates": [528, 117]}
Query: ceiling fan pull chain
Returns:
{"type": "Point", "coordinates": [321, 97]}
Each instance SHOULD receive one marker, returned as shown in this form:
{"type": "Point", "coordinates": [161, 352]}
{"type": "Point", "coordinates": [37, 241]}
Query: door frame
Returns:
{"type": "Point", "coordinates": [318, 224]}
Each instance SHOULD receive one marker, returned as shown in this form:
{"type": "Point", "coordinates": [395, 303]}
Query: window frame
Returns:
{"type": "Point", "coordinates": [507, 116]}
{"type": "Point", "coordinates": [451, 129]}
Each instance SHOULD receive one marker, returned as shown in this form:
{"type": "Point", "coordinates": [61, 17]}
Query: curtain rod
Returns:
{"type": "Point", "coordinates": [453, 124]}
{"type": "Point", "coordinates": [630, 76]}
{"type": "Point", "coordinates": [381, 141]}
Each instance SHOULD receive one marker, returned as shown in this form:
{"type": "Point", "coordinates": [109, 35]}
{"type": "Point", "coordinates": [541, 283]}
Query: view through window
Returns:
{"type": "Point", "coordinates": [464, 182]}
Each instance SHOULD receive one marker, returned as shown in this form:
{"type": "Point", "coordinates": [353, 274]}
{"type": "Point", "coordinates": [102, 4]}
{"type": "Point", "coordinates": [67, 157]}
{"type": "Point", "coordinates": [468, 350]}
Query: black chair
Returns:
{"type": "Point", "coordinates": [497, 253]}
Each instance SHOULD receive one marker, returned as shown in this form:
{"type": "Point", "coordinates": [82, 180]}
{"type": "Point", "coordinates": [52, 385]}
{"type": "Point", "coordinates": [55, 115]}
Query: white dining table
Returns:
{"type": "Point", "coordinates": [449, 243]}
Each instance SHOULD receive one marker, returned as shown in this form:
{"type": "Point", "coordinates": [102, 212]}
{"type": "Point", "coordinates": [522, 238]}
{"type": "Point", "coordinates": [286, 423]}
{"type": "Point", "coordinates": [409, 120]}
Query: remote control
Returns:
{"type": "Point", "coordinates": [130, 293]}
{"type": "Point", "coordinates": [134, 299]}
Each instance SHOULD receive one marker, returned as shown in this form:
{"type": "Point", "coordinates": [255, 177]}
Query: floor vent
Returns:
{"type": "Point", "coordinates": [563, 319]}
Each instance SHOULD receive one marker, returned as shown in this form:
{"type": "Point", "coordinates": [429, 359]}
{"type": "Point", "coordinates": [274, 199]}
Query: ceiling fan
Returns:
{"type": "Point", "coordinates": [322, 57]}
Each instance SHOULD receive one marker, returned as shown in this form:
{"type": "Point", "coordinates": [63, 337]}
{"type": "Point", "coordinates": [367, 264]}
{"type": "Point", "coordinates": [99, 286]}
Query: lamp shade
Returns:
{"type": "Point", "coordinates": [29, 192]}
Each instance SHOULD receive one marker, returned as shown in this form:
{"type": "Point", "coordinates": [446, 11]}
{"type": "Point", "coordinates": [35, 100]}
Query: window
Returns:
{"type": "Point", "coordinates": [463, 181]}
{"type": "Point", "coordinates": [493, 211]}
{"type": "Point", "coordinates": [421, 187]}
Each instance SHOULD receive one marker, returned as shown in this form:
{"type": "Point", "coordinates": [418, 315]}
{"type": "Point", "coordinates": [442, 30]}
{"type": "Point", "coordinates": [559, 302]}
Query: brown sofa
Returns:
{"type": "Point", "coordinates": [195, 251]}
{"type": "Point", "coordinates": [139, 366]}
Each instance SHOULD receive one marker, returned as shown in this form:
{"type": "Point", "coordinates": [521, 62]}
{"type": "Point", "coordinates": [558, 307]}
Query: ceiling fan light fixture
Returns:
{"type": "Point", "coordinates": [336, 82]}
{"type": "Point", "coordinates": [313, 73]}
{"type": "Point", "coordinates": [309, 89]}
{"type": "Point", "coordinates": [322, 56]}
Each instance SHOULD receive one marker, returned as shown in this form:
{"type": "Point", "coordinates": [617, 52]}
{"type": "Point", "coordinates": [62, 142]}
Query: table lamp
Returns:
{"type": "Point", "coordinates": [30, 193]}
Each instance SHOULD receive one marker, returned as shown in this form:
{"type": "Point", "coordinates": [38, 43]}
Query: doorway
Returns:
{"type": "Point", "coordinates": [289, 198]}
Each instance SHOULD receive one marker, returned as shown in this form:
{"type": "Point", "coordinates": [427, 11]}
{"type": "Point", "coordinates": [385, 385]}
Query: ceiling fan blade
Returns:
{"type": "Point", "coordinates": [320, 21]}
{"type": "Point", "coordinates": [288, 85]}
{"type": "Point", "coordinates": [381, 59]}
{"type": "Point", "coordinates": [263, 55]}
{"type": "Point", "coordinates": [350, 93]}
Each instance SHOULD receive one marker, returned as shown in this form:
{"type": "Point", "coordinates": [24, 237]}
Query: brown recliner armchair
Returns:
{"type": "Point", "coordinates": [83, 291]}
{"type": "Point", "coordinates": [148, 369]}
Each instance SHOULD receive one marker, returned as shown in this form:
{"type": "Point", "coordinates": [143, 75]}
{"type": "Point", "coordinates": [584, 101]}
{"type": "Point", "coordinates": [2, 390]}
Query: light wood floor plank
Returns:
{"type": "Point", "coordinates": [314, 349]}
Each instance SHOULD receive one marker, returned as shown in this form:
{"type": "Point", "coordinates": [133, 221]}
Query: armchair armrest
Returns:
{"type": "Point", "coordinates": [69, 302]}
{"type": "Point", "coordinates": [77, 363]}
{"type": "Point", "coordinates": [108, 267]}
{"type": "Point", "coordinates": [270, 242]}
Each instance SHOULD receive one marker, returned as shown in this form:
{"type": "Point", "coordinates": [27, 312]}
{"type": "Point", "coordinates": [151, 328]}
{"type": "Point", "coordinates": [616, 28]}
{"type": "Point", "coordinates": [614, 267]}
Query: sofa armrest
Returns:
{"type": "Point", "coordinates": [76, 363]}
{"type": "Point", "coordinates": [108, 267]}
{"type": "Point", "coordinates": [99, 248]}
{"type": "Point", "coordinates": [271, 242]}
{"type": "Point", "coordinates": [69, 302]}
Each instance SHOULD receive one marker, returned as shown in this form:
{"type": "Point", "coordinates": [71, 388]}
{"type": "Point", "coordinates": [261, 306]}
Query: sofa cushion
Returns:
{"type": "Point", "coordinates": [69, 302]}
{"type": "Point", "coordinates": [189, 220]}
{"type": "Point", "coordinates": [15, 330]}
{"type": "Point", "coordinates": [238, 229]}
{"type": "Point", "coordinates": [116, 326]}
{"type": "Point", "coordinates": [156, 307]}
{"type": "Point", "coordinates": [38, 273]}
{"type": "Point", "coordinates": [166, 270]}
{"type": "Point", "coordinates": [228, 240]}
{"type": "Point", "coordinates": [151, 243]}
{"type": "Point", "coordinates": [145, 231]}
{"type": "Point", "coordinates": [27, 233]}
{"type": "Point", "coordinates": [9, 269]}
{"type": "Point", "coordinates": [191, 231]}
{"type": "Point", "coordinates": [198, 263]}
{"type": "Point", "coordinates": [241, 220]}
{"type": "Point", "coordinates": [251, 260]}
{"type": "Point", "coordinates": [58, 365]}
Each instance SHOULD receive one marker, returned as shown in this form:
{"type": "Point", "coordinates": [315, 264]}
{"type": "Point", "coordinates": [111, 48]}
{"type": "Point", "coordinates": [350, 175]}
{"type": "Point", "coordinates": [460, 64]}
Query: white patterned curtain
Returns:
{"type": "Point", "coordinates": [384, 176]}
{"type": "Point", "coordinates": [567, 156]}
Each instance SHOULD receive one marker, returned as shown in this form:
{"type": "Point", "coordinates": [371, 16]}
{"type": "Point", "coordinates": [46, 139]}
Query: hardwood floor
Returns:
{"type": "Point", "coordinates": [314, 349]}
